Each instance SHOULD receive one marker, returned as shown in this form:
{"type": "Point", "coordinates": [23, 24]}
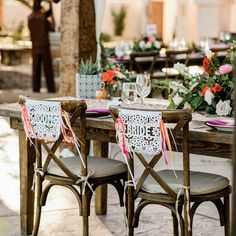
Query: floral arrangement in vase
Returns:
{"type": "Point", "coordinates": [147, 43]}
{"type": "Point", "coordinates": [211, 91]}
{"type": "Point", "coordinates": [113, 76]}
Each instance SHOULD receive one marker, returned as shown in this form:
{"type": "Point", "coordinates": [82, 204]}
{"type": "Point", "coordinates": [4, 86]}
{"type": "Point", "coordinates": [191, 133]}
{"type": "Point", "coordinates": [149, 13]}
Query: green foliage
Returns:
{"type": "Point", "coordinates": [88, 68]}
{"type": "Point", "coordinates": [119, 20]}
{"type": "Point", "coordinates": [104, 37]}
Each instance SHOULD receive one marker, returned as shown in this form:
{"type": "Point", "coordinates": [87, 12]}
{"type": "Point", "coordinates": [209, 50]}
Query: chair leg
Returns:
{"type": "Point", "coordinates": [130, 211]}
{"type": "Point", "coordinates": [38, 194]}
{"type": "Point", "coordinates": [85, 215]}
{"type": "Point", "coordinates": [227, 215]}
{"type": "Point", "coordinates": [175, 225]}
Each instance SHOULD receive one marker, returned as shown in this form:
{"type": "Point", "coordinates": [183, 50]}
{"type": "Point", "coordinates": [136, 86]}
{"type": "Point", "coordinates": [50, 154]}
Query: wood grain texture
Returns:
{"type": "Point", "coordinates": [100, 149]}
{"type": "Point", "coordinates": [203, 141]}
{"type": "Point", "coordinates": [27, 158]}
{"type": "Point", "coordinates": [78, 40]}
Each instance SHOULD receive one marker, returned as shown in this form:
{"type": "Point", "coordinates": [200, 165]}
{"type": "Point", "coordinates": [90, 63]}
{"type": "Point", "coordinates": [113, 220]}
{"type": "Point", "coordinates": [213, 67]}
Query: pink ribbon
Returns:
{"type": "Point", "coordinates": [120, 125]}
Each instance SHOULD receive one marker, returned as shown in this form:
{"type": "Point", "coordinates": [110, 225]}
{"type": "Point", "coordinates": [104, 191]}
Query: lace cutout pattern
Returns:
{"type": "Point", "coordinates": [142, 130]}
{"type": "Point", "coordinates": [45, 119]}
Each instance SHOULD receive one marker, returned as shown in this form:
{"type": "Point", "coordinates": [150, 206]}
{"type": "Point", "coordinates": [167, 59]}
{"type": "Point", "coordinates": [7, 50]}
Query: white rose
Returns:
{"type": "Point", "coordinates": [157, 44]}
{"type": "Point", "coordinates": [208, 97]}
{"type": "Point", "coordinates": [181, 68]}
{"type": "Point", "coordinates": [177, 99]}
{"type": "Point", "coordinates": [142, 45]}
{"type": "Point", "coordinates": [223, 108]}
{"type": "Point", "coordinates": [187, 105]}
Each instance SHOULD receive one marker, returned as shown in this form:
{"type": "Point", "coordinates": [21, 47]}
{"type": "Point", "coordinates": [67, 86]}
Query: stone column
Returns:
{"type": "Point", "coordinates": [78, 40]}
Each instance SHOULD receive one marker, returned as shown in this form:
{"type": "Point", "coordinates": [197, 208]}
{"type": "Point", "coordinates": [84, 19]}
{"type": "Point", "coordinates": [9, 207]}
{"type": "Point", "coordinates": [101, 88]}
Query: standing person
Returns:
{"type": "Point", "coordinates": [39, 27]}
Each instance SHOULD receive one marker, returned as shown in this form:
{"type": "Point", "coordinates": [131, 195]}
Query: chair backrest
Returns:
{"type": "Point", "coordinates": [174, 56]}
{"type": "Point", "coordinates": [143, 61]}
{"type": "Point", "coordinates": [143, 132]}
{"type": "Point", "coordinates": [49, 123]}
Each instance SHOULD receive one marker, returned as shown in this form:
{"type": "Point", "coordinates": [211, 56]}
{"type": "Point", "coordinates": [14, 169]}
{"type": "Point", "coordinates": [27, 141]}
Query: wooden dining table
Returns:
{"type": "Point", "coordinates": [203, 140]}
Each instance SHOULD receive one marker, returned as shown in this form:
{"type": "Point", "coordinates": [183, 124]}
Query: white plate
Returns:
{"type": "Point", "coordinates": [224, 128]}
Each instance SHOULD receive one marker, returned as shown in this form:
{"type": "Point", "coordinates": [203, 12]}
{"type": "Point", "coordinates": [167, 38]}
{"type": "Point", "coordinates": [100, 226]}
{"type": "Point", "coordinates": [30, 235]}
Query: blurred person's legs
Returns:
{"type": "Point", "coordinates": [36, 73]}
{"type": "Point", "coordinates": [48, 70]}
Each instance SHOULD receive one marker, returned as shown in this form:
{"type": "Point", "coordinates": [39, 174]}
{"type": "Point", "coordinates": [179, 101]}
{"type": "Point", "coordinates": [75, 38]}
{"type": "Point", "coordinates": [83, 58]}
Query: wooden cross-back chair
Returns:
{"type": "Point", "coordinates": [143, 62]}
{"type": "Point", "coordinates": [162, 187]}
{"type": "Point", "coordinates": [69, 172]}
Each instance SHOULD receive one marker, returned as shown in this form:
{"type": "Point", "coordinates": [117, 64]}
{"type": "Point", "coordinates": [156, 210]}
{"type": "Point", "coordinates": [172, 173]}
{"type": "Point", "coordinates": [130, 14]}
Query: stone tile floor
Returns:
{"type": "Point", "coordinates": [61, 216]}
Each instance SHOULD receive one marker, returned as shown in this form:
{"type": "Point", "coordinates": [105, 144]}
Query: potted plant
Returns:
{"type": "Point", "coordinates": [87, 79]}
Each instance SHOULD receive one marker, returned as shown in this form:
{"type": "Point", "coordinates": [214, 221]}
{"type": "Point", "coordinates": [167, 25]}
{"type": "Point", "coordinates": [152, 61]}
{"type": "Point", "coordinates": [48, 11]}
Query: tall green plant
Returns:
{"type": "Point", "coordinates": [119, 20]}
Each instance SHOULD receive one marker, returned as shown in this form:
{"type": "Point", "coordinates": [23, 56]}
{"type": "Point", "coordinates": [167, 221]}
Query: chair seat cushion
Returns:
{"type": "Point", "coordinates": [201, 183]}
{"type": "Point", "coordinates": [103, 167]}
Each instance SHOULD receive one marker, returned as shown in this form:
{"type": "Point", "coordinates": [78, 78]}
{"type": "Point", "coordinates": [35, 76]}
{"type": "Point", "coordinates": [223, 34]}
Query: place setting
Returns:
{"type": "Point", "coordinates": [221, 124]}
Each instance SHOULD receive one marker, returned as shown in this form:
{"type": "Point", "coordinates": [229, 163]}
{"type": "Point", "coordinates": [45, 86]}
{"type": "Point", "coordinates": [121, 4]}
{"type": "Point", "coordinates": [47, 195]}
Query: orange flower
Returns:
{"type": "Point", "coordinates": [108, 77]}
{"type": "Point", "coordinates": [206, 62]}
{"type": "Point", "coordinates": [217, 88]}
{"type": "Point", "coordinates": [205, 89]}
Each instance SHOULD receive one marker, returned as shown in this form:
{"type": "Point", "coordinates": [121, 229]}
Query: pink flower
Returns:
{"type": "Point", "coordinates": [225, 69]}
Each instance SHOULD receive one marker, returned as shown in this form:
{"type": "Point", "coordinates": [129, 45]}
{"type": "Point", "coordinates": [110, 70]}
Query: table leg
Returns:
{"type": "Point", "coordinates": [101, 149]}
{"type": "Point", "coordinates": [27, 158]}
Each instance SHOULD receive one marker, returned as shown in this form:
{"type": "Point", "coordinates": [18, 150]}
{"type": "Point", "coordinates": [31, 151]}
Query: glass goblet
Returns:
{"type": "Point", "coordinates": [144, 86]}
{"type": "Point", "coordinates": [129, 93]}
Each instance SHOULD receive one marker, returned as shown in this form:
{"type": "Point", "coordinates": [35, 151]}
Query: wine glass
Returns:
{"type": "Point", "coordinates": [129, 93]}
{"type": "Point", "coordinates": [144, 86]}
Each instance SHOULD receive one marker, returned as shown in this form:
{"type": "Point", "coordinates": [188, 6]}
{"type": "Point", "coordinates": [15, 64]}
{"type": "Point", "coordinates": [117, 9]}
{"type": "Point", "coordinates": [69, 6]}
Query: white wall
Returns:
{"type": "Point", "coordinates": [136, 17]}
{"type": "Point", "coordinates": [170, 19]}
{"type": "Point", "coordinates": [201, 17]}
{"type": "Point", "coordinates": [13, 13]}
{"type": "Point", "coordinates": [133, 20]}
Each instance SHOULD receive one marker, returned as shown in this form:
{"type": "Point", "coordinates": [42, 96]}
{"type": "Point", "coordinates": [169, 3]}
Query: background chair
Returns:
{"type": "Point", "coordinates": [162, 187]}
{"type": "Point", "coordinates": [143, 62]}
{"type": "Point", "coordinates": [68, 172]}
{"type": "Point", "coordinates": [168, 72]}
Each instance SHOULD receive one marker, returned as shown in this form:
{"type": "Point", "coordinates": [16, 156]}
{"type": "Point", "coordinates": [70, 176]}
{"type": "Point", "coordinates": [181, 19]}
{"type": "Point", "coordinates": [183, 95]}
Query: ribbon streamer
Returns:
{"type": "Point", "coordinates": [186, 189]}
{"type": "Point", "coordinates": [37, 171]}
{"type": "Point", "coordinates": [86, 182]}
{"type": "Point", "coordinates": [71, 138]}
{"type": "Point", "coordinates": [121, 140]}
{"type": "Point", "coordinates": [29, 130]}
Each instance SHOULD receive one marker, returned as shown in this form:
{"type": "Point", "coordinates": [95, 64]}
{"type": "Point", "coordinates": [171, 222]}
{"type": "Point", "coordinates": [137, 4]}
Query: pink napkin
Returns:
{"type": "Point", "coordinates": [98, 112]}
{"type": "Point", "coordinates": [220, 122]}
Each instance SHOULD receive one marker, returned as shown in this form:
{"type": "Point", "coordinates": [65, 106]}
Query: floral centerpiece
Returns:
{"type": "Point", "coordinates": [147, 43]}
{"type": "Point", "coordinates": [113, 76]}
{"type": "Point", "coordinates": [210, 91]}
